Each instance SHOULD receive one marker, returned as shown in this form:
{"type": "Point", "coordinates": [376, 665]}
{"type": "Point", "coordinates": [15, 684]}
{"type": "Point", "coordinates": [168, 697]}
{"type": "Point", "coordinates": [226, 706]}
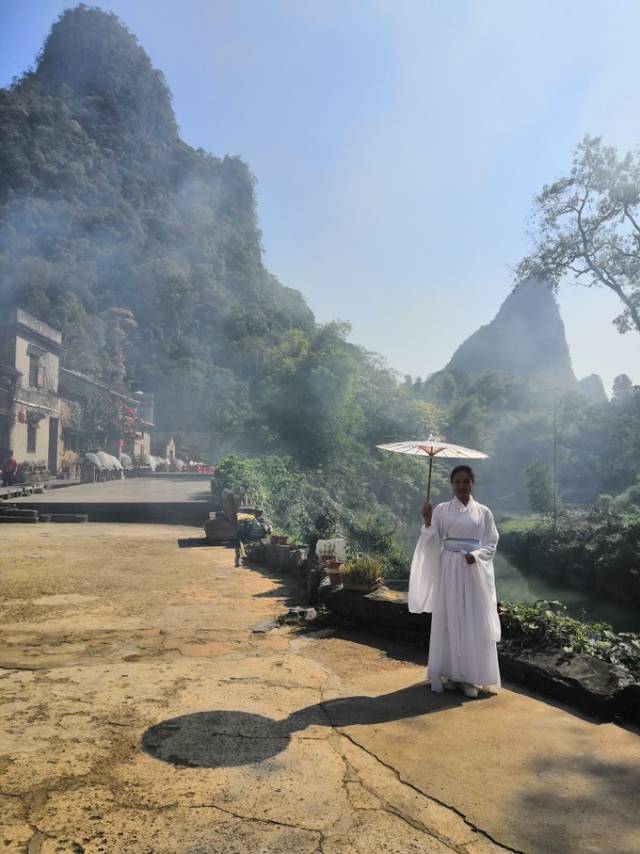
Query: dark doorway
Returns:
{"type": "Point", "coordinates": [4, 435]}
{"type": "Point", "coordinates": [53, 446]}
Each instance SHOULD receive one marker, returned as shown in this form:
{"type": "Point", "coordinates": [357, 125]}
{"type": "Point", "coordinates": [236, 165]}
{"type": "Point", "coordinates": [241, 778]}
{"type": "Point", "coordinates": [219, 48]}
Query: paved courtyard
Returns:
{"type": "Point", "coordinates": [150, 704]}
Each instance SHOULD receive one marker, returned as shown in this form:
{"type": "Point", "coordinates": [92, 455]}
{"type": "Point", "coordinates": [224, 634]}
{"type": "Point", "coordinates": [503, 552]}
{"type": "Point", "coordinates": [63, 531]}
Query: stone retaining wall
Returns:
{"type": "Point", "coordinates": [597, 688]}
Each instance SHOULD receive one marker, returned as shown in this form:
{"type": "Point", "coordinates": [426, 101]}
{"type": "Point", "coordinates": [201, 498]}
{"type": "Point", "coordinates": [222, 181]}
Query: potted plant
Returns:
{"type": "Point", "coordinates": [362, 573]}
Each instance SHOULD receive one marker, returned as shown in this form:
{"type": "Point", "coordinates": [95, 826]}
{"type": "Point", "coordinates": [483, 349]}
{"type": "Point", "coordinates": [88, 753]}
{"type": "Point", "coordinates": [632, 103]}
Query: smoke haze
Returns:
{"type": "Point", "coordinates": [398, 147]}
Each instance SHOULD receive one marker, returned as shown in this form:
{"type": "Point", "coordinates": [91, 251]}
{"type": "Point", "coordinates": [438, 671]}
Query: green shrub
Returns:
{"type": "Point", "coordinates": [375, 534]}
{"type": "Point", "coordinates": [365, 569]}
{"type": "Point", "coordinates": [276, 485]}
{"type": "Point", "coordinates": [545, 625]}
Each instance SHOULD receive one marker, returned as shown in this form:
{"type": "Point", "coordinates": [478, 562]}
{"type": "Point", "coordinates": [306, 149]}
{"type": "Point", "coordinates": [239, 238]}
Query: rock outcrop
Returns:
{"type": "Point", "coordinates": [592, 388]}
{"type": "Point", "coordinates": [525, 339]}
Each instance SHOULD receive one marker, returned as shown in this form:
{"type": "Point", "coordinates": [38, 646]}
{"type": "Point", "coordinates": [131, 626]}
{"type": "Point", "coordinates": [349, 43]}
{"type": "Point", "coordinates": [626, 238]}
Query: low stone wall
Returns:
{"type": "Point", "coordinates": [596, 687]}
{"type": "Point", "coordinates": [289, 560]}
{"type": "Point", "coordinates": [383, 612]}
{"type": "Point", "coordinates": [602, 690]}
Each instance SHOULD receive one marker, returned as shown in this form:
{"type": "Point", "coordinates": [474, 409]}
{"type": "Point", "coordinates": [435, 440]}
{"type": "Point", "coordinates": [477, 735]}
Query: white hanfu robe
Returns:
{"type": "Point", "coordinates": [461, 597]}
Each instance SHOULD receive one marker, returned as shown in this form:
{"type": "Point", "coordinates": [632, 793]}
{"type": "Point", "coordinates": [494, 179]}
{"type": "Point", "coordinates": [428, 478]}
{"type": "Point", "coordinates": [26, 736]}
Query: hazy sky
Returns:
{"type": "Point", "coordinates": [397, 144]}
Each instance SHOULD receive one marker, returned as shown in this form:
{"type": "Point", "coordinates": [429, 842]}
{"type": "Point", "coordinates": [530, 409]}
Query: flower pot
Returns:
{"type": "Point", "coordinates": [335, 577]}
{"type": "Point", "coordinates": [332, 563]}
{"type": "Point", "coordinates": [362, 588]}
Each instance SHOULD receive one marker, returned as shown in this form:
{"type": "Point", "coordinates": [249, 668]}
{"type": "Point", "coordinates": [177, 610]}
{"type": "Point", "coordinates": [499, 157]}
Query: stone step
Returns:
{"type": "Point", "coordinates": [15, 511]}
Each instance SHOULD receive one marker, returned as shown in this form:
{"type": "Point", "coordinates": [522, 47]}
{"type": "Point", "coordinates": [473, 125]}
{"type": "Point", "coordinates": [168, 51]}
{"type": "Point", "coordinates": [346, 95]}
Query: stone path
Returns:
{"type": "Point", "coordinates": [149, 704]}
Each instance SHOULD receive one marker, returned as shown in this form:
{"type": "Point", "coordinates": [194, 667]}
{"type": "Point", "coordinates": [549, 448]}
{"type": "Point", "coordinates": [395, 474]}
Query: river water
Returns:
{"type": "Point", "coordinates": [513, 585]}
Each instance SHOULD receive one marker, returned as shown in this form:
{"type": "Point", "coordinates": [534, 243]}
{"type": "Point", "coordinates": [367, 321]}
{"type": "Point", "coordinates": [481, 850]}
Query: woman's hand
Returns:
{"type": "Point", "coordinates": [470, 559]}
{"type": "Point", "coordinates": [427, 514]}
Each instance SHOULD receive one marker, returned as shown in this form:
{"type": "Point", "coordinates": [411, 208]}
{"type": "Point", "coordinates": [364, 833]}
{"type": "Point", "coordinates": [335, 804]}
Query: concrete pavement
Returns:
{"type": "Point", "coordinates": [149, 705]}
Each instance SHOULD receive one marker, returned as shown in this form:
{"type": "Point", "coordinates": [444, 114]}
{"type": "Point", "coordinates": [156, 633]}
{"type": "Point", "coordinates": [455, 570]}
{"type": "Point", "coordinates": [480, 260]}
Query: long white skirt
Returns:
{"type": "Point", "coordinates": [463, 625]}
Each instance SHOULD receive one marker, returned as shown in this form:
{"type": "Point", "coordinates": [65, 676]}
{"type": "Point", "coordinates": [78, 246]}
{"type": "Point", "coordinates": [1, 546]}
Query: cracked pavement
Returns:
{"type": "Point", "coordinates": [141, 713]}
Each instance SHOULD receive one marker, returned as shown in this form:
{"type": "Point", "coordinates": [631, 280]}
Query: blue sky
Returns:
{"type": "Point", "coordinates": [397, 145]}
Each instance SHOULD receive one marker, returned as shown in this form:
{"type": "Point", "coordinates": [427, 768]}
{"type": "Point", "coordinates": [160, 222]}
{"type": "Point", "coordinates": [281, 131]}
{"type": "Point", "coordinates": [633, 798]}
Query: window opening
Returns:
{"type": "Point", "coordinates": [31, 438]}
{"type": "Point", "coordinates": [36, 372]}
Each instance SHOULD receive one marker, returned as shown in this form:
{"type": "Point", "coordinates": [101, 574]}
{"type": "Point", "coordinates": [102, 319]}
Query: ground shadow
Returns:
{"type": "Point", "coordinates": [606, 794]}
{"type": "Point", "coordinates": [290, 598]}
{"type": "Point", "coordinates": [288, 590]}
{"type": "Point", "coordinates": [226, 739]}
{"type": "Point", "coordinates": [393, 648]}
{"type": "Point", "coordinates": [193, 542]}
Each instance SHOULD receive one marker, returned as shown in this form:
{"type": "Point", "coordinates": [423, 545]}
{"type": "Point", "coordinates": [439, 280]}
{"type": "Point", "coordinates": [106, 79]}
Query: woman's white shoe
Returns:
{"type": "Point", "coordinates": [469, 690]}
{"type": "Point", "coordinates": [449, 685]}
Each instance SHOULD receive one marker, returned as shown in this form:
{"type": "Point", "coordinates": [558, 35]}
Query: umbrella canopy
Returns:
{"type": "Point", "coordinates": [434, 446]}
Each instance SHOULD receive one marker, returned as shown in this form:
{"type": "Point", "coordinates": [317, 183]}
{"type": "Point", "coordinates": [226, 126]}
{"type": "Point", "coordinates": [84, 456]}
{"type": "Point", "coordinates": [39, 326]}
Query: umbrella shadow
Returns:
{"type": "Point", "coordinates": [227, 739]}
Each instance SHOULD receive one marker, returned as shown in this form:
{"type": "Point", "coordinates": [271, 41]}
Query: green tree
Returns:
{"type": "Point", "coordinates": [540, 486]}
{"type": "Point", "coordinates": [587, 224]}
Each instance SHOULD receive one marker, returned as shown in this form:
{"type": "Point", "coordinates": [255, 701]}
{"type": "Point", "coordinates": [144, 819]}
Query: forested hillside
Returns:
{"type": "Point", "coordinates": [103, 206]}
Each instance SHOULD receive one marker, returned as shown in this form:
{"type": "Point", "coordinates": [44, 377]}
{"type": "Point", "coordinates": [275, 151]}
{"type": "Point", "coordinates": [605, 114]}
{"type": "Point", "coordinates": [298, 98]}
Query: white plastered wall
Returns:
{"type": "Point", "coordinates": [19, 439]}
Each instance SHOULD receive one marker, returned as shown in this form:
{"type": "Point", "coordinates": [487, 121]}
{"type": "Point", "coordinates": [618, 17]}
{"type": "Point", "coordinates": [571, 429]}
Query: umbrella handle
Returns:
{"type": "Point", "coordinates": [429, 483]}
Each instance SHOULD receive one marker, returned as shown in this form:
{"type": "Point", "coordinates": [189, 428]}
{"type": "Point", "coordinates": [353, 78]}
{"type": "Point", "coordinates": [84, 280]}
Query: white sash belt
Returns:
{"type": "Point", "coordinates": [456, 544]}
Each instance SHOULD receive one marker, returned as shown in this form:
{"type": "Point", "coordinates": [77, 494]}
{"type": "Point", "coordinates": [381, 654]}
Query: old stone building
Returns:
{"type": "Point", "coordinates": [30, 403]}
{"type": "Point", "coordinates": [42, 406]}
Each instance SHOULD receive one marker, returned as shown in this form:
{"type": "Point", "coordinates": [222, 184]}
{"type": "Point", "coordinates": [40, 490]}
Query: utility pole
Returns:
{"type": "Point", "coordinates": [555, 459]}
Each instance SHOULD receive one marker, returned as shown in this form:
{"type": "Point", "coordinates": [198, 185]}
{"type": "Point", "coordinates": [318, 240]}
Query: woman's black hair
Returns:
{"type": "Point", "coordinates": [466, 469]}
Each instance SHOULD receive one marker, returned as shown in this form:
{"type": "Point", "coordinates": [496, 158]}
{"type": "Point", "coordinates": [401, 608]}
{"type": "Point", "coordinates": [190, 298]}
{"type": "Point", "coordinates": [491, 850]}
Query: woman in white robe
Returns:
{"type": "Point", "coordinates": [452, 578]}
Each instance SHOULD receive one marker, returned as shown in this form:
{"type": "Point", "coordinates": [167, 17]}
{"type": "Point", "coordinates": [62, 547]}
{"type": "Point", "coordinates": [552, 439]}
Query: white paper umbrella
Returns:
{"type": "Point", "coordinates": [433, 447]}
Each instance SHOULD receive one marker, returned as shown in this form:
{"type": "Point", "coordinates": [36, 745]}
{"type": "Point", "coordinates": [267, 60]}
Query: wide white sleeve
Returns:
{"type": "Point", "coordinates": [484, 565]}
{"type": "Point", "coordinates": [488, 538]}
{"type": "Point", "coordinates": [425, 566]}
